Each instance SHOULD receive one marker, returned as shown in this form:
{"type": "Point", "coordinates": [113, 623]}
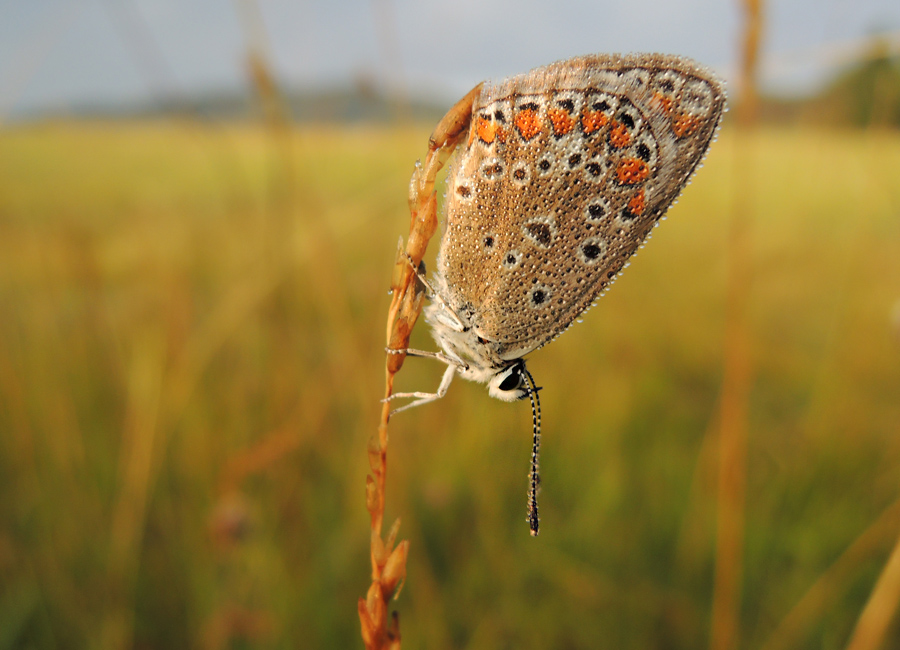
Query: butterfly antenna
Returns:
{"type": "Point", "coordinates": [534, 521]}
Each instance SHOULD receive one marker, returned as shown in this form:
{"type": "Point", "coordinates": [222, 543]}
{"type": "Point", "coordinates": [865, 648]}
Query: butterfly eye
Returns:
{"type": "Point", "coordinates": [513, 380]}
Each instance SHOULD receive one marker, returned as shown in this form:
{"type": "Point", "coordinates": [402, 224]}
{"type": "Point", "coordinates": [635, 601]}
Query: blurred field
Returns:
{"type": "Point", "coordinates": [191, 332]}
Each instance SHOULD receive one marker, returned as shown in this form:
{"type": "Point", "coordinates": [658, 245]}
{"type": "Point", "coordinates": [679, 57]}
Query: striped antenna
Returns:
{"type": "Point", "coordinates": [534, 482]}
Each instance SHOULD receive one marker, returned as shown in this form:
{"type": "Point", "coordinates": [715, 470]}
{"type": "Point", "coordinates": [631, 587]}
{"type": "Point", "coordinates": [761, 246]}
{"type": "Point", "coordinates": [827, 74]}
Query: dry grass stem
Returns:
{"type": "Point", "coordinates": [876, 617]}
{"type": "Point", "coordinates": [388, 561]}
{"type": "Point", "coordinates": [734, 408]}
{"type": "Point", "coordinates": [821, 595]}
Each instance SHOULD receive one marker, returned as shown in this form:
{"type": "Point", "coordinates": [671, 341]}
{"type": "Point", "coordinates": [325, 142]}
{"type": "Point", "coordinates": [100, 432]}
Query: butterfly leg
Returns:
{"type": "Point", "coordinates": [425, 398]}
{"type": "Point", "coordinates": [449, 132]}
{"type": "Point", "coordinates": [425, 354]}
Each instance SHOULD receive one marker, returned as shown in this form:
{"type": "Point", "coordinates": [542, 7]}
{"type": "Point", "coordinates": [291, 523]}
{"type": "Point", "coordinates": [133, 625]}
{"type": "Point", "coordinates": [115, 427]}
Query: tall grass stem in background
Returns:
{"type": "Point", "coordinates": [734, 404]}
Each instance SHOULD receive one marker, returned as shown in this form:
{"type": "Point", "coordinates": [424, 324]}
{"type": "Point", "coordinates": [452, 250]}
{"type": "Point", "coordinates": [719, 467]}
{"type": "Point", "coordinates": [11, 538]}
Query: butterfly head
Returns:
{"type": "Point", "coordinates": [508, 384]}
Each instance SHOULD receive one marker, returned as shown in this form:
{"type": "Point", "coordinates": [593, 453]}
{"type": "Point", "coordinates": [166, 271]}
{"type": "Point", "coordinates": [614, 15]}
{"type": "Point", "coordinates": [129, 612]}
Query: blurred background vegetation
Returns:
{"type": "Point", "coordinates": [192, 304]}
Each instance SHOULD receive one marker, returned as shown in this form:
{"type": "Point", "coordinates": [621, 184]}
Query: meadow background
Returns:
{"type": "Point", "coordinates": [191, 356]}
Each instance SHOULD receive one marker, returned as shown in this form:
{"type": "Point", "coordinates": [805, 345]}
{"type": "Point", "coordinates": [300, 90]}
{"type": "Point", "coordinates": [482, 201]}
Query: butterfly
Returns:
{"type": "Point", "coordinates": [561, 176]}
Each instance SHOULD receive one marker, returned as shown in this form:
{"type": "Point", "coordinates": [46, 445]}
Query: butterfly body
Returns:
{"type": "Point", "coordinates": [475, 357]}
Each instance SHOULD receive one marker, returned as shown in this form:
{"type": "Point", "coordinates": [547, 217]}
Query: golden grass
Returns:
{"type": "Point", "coordinates": [191, 351]}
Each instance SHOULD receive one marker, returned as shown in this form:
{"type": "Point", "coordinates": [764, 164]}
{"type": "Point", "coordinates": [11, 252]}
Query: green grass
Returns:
{"type": "Point", "coordinates": [191, 334]}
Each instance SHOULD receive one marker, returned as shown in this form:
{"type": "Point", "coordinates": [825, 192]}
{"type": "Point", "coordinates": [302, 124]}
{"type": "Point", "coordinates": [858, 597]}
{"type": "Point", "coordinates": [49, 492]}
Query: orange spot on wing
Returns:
{"type": "Point", "coordinates": [528, 123]}
{"type": "Point", "coordinates": [665, 102]}
{"type": "Point", "coordinates": [618, 135]}
{"type": "Point", "coordinates": [637, 203]}
{"type": "Point", "coordinates": [486, 130]}
{"type": "Point", "coordinates": [593, 121]}
{"type": "Point", "coordinates": [684, 125]}
{"type": "Point", "coordinates": [632, 171]}
{"type": "Point", "coordinates": [562, 122]}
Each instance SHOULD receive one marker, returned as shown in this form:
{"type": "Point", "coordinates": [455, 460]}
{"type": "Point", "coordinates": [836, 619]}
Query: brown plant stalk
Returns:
{"type": "Point", "coordinates": [408, 294]}
{"type": "Point", "coordinates": [725, 625]}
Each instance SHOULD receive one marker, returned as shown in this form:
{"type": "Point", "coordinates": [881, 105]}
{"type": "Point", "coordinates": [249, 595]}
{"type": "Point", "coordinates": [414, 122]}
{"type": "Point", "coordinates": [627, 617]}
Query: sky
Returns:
{"type": "Point", "coordinates": [58, 54]}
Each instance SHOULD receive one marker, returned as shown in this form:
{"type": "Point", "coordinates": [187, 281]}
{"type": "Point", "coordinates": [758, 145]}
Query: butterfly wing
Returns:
{"type": "Point", "coordinates": [564, 173]}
